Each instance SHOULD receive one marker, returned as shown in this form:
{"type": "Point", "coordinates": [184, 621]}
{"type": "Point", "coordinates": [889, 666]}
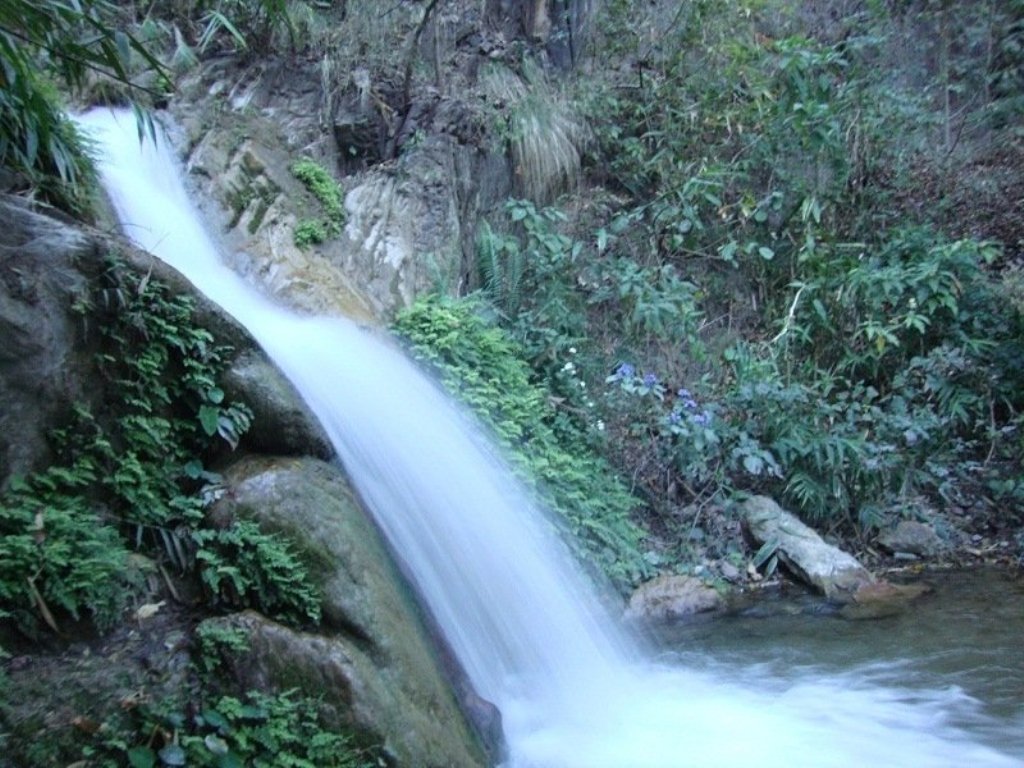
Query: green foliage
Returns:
{"type": "Point", "coordinates": [324, 188]}
{"type": "Point", "coordinates": [43, 42]}
{"type": "Point", "coordinates": [549, 451]}
{"type": "Point", "coordinates": [758, 156]}
{"type": "Point", "coordinates": [258, 730]}
{"type": "Point", "coordinates": [133, 477]}
{"type": "Point", "coordinates": [528, 278]}
{"type": "Point", "coordinates": [889, 369]}
{"type": "Point", "coordinates": [242, 566]}
{"type": "Point", "coordinates": [309, 232]}
{"type": "Point", "coordinates": [57, 552]}
{"type": "Point", "coordinates": [216, 643]}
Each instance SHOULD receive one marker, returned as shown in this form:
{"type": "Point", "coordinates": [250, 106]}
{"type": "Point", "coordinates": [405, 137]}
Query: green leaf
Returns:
{"type": "Point", "coordinates": [215, 719]}
{"type": "Point", "coordinates": [141, 757]}
{"type": "Point", "coordinates": [767, 550]}
{"type": "Point", "coordinates": [766, 253]}
{"type": "Point", "coordinates": [209, 418]}
{"type": "Point", "coordinates": [216, 744]}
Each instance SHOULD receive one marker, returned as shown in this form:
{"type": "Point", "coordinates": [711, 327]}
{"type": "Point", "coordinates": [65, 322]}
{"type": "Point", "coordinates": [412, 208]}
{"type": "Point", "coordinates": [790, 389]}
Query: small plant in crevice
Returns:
{"type": "Point", "coordinates": [328, 194]}
{"type": "Point", "coordinates": [309, 232]}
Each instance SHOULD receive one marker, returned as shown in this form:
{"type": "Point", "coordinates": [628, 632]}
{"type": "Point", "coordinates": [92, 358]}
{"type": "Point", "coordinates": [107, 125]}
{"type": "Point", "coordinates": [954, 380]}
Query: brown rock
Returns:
{"type": "Point", "coordinates": [671, 597]}
{"type": "Point", "coordinates": [882, 598]}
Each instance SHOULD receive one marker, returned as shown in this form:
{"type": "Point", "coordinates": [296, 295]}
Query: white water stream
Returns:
{"type": "Point", "coordinates": [574, 691]}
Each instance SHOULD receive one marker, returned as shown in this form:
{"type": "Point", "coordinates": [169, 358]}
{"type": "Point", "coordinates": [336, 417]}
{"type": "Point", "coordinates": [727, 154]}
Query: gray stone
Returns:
{"type": "Point", "coordinates": [912, 537]}
{"type": "Point", "coordinates": [378, 665]}
{"type": "Point", "coordinates": [803, 552]}
{"type": "Point", "coordinates": [282, 424]}
{"type": "Point", "coordinates": [670, 597]}
{"type": "Point", "coordinates": [44, 357]}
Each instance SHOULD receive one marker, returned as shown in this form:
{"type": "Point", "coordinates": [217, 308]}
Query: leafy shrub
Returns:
{"type": "Point", "coordinates": [479, 364]}
{"type": "Point", "coordinates": [259, 730]}
{"type": "Point", "coordinates": [68, 42]}
{"type": "Point", "coordinates": [309, 232]}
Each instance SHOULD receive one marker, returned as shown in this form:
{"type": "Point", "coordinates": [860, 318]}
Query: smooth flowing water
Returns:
{"type": "Point", "coordinates": [531, 632]}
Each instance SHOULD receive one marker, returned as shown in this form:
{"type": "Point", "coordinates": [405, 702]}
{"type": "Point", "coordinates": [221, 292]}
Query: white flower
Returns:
{"type": "Point", "coordinates": [600, 426]}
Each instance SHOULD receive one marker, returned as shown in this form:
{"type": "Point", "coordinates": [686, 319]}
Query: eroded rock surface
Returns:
{"type": "Point", "coordinates": [913, 538]}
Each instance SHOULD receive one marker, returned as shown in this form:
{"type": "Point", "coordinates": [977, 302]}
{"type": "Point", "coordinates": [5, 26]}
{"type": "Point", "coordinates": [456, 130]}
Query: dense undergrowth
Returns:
{"type": "Point", "coordinates": [759, 295]}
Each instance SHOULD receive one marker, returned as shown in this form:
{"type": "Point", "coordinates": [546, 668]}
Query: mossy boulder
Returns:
{"type": "Point", "coordinates": [375, 666]}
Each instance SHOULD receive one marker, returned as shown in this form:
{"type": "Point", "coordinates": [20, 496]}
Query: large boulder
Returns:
{"type": "Point", "coordinates": [45, 357]}
{"type": "Point", "coordinates": [803, 552]}
{"type": "Point", "coordinates": [377, 668]}
{"type": "Point", "coordinates": [282, 424]}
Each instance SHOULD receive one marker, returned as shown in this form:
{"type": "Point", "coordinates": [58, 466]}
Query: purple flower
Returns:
{"type": "Point", "coordinates": [675, 417]}
{"type": "Point", "coordinates": [690, 404]}
{"type": "Point", "coordinates": [701, 419]}
{"type": "Point", "coordinates": [625, 371]}
{"type": "Point", "coordinates": [650, 380]}
{"type": "Point", "coordinates": [684, 394]}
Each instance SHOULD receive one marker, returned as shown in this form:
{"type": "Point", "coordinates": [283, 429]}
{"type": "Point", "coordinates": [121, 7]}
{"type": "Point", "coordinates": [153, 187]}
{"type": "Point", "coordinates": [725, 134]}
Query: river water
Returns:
{"type": "Point", "coordinates": [574, 688]}
{"type": "Point", "coordinates": [965, 638]}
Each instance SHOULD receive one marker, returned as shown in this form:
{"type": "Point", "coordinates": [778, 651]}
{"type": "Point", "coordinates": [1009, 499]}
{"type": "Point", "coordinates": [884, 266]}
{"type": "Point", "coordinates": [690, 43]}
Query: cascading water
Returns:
{"type": "Point", "coordinates": [529, 630]}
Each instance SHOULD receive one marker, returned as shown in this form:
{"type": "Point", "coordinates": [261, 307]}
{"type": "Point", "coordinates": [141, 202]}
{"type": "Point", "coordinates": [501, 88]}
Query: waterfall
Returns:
{"type": "Point", "coordinates": [532, 634]}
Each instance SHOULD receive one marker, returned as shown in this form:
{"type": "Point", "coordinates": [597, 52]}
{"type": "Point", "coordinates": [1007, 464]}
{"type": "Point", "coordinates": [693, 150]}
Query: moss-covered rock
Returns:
{"type": "Point", "coordinates": [377, 671]}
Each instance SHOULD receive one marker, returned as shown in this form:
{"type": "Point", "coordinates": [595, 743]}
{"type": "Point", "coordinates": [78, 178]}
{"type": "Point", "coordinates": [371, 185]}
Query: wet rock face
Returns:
{"type": "Point", "coordinates": [374, 665]}
{"type": "Point", "coordinates": [671, 597]}
{"type": "Point", "coordinates": [282, 424]}
{"type": "Point", "coordinates": [44, 361]}
{"type": "Point", "coordinates": [804, 553]}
